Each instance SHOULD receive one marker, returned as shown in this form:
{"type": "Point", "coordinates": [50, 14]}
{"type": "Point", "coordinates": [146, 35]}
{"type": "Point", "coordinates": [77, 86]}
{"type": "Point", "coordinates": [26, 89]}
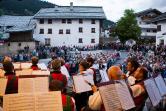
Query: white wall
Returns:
{"type": "Point", "coordinates": [159, 35]}
{"type": "Point", "coordinates": [68, 39]}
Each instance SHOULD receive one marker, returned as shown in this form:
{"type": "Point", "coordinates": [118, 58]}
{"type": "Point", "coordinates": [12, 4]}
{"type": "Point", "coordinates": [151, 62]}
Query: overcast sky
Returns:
{"type": "Point", "coordinates": [114, 8]}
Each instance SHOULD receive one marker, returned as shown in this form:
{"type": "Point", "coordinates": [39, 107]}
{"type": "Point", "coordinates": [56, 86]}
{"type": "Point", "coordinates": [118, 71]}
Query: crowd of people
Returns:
{"type": "Point", "coordinates": [142, 62]}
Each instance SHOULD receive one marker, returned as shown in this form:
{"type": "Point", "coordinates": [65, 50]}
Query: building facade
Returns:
{"type": "Point", "coordinates": [69, 25]}
{"type": "Point", "coordinates": [161, 29]}
{"type": "Point", "coordinates": [148, 29]}
{"type": "Point", "coordinates": [16, 33]}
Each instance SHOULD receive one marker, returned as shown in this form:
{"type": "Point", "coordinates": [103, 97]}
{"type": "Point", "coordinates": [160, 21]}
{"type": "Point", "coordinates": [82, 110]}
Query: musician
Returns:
{"type": "Point", "coordinates": [67, 101]}
{"type": "Point", "coordinates": [12, 83]}
{"type": "Point", "coordinates": [95, 102]}
{"type": "Point", "coordinates": [132, 66]}
{"type": "Point", "coordinates": [34, 63]}
{"type": "Point", "coordinates": [56, 73]}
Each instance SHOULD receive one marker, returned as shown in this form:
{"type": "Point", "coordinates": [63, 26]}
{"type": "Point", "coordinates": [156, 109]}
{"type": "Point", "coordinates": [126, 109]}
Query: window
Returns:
{"type": "Point", "coordinates": [80, 29]}
{"type": "Point", "coordinates": [47, 41]}
{"type": "Point", "coordinates": [154, 31]}
{"type": "Point", "coordinates": [49, 31]}
{"type": "Point", "coordinates": [92, 40]}
{"type": "Point", "coordinates": [19, 44]}
{"type": "Point", "coordinates": [41, 31]}
{"type": "Point", "coordinates": [80, 40]}
{"type": "Point", "coordinates": [69, 21]}
{"type": "Point", "coordinates": [60, 31]}
{"type": "Point", "coordinates": [63, 21]}
{"type": "Point", "coordinates": [67, 31]}
{"type": "Point", "coordinates": [148, 30]}
{"type": "Point", "coordinates": [80, 21]}
{"type": "Point", "coordinates": [8, 44]}
{"type": "Point", "coordinates": [158, 27]}
{"type": "Point", "coordinates": [92, 30]}
{"type": "Point", "coordinates": [49, 21]}
{"type": "Point", "coordinates": [93, 21]}
{"type": "Point", "coordinates": [41, 21]}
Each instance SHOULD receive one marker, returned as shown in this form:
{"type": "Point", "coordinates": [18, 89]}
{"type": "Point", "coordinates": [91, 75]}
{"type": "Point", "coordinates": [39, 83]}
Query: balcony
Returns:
{"type": "Point", "coordinates": [148, 26]}
{"type": "Point", "coordinates": [148, 34]}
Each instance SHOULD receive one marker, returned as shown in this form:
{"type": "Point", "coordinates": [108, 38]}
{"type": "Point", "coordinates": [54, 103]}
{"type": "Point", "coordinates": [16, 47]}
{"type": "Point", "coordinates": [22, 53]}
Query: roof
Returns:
{"type": "Point", "coordinates": [87, 12]}
{"type": "Point", "coordinates": [145, 12]}
{"type": "Point", "coordinates": [160, 18]}
{"type": "Point", "coordinates": [17, 23]}
{"type": "Point", "coordinates": [7, 20]}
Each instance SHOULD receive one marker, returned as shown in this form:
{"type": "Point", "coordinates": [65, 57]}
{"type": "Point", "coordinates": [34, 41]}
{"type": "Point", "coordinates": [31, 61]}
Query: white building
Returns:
{"type": "Point", "coordinates": [69, 25]}
{"type": "Point", "coordinates": [161, 29]}
{"type": "Point", "coordinates": [148, 29]}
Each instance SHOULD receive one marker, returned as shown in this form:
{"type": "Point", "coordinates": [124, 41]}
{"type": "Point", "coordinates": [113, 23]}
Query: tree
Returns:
{"type": "Point", "coordinates": [127, 27]}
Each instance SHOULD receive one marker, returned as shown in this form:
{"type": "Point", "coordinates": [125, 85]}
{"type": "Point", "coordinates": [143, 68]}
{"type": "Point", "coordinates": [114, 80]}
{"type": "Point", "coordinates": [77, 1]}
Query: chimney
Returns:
{"type": "Point", "coordinates": [56, 7]}
{"type": "Point", "coordinates": [71, 6]}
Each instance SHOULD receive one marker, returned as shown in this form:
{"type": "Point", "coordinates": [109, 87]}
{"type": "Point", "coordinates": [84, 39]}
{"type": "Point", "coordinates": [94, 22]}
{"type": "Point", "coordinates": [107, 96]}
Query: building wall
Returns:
{"type": "Point", "coordinates": [159, 35]}
{"type": "Point", "coordinates": [148, 31]}
{"type": "Point", "coordinates": [13, 47]}
{"type": "Point", "coordinates": [68, 39]}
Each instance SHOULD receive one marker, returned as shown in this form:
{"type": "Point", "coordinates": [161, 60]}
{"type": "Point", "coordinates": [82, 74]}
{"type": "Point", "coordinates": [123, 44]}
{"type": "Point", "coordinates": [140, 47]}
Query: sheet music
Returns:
{"type": "Point", "coordinates": [17, 65]}
{"type": "Point", "coordinates": [31, 85]}
{"type": "Point", "coordinates": [3, 84]}
{"type": "Point", "coordinates": [26, 85]}
{"type": "Point", "coordinates": [26, 65]}
{"type": "Point", "coordinates": [153, 91]}
{"type": "Point", "coordinates": [2, 73]}
{"type": "Point", "coordinates": [161, 85]}
{"type": "Point", "coordinates": [50, 101]}
{"type": "Point", "coordinates": [41, 84]}
{"type": "Point", "coordinates": [110, 98]}
{"type": "Point", "coordinates": [19, 102]}
{"type": "Point", "coordinates": [42, 66]}
{"type": "Point", "coordinates": [24, 72]}
{"type": "Point", "coordinates": [40, 72]}
{"type": "Point", "coordinates": [124, 95]}
{"type": "Point", "coordinates": [65, 71]}
{"type": "Point", "coordinates": [104, 75]}
{"type": "Point", "coordinates": [81, 85]}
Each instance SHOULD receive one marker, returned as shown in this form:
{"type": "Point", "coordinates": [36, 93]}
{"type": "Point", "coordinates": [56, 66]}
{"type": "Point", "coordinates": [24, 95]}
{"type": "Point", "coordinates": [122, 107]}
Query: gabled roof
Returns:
{"type": "Point", "coordinates": [160, 18]}
{"type": "Point", "coordinates": [87, 12]}
{"type": "Point", "coordinates": [7, 20]}
{"type": "Point", "coordinates": [145, 12]}
{"type": "Point", "coordinates": [17, 23]}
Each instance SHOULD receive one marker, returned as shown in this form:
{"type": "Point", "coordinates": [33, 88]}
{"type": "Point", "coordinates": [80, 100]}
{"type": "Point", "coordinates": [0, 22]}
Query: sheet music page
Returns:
{"type": "Point", "coordinates": [153, 91]}
{"type": "Point", "coordinates": [104, 75]}
{"type": "Point", "coordinates": [17, 65]}
{"type": "Point", "coordinates": [26, 85]}
{"type": "Point", "coordinates": [3, 84]}
{"type": "Point", "coordinates": [124, 95]}
{"type": "Point", "coordinates": [24, 72]}
{"type": "Point", "coordinates": [41, 84]}
{"type": "Point", "coordinates": [40, 72]}
{"type": "Point", "coordinates": [51, 101]}
{"type": "Point", "coordinates": [110, 98]}
{"type": "Point", "coordinates": [26, 65]}
{"type": "Point", "coordinates": [161, 85]}
{"type": "Point", "coordinates": [2, 73]}
{"type": "Point", "coordinates": [65, 71]}
{"type": "Point", "coordinates": [19, 102]}
{"type": "Point", "coordinates": [42, 66]}
{"type": "Point", "coordinates": [81, 85]}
